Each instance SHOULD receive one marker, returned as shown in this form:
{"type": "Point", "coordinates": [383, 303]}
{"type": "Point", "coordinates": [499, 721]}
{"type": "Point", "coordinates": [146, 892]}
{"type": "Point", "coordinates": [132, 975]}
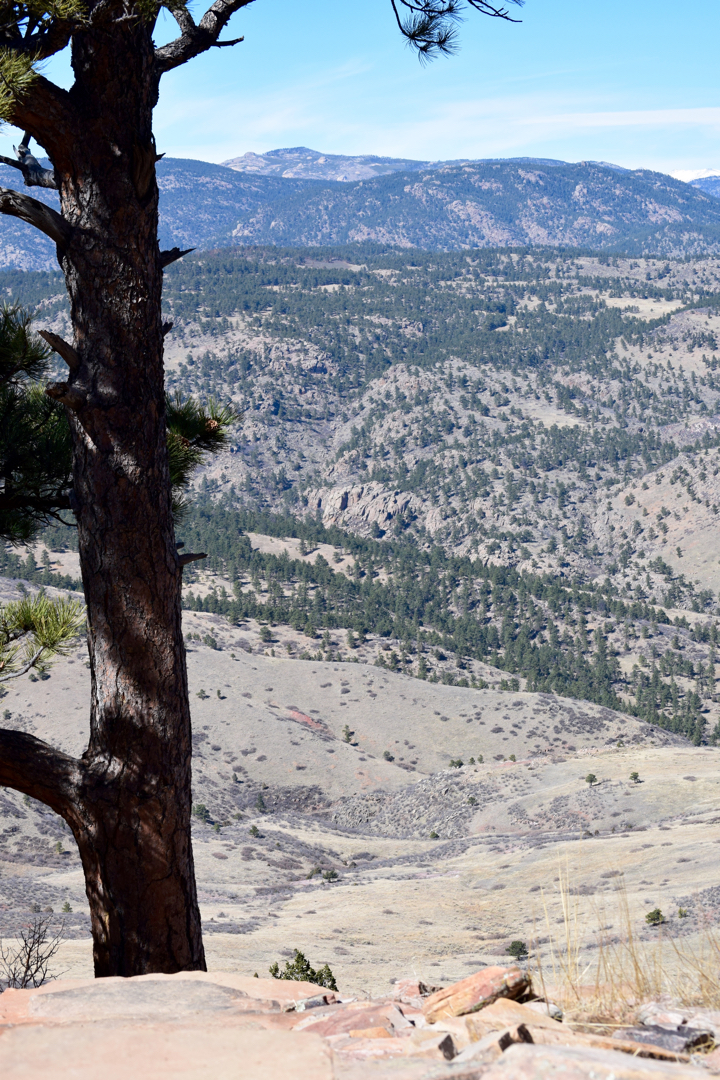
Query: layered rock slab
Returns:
{"type": "Point", "coordinates": [196, 1025]}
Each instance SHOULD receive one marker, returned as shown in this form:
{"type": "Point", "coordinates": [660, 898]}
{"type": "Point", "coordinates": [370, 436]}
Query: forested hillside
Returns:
{"type": "Point", "coordinates": [514, 457]}
{"type": "Point", "coordinates": [709, 184]}
{"type": "Point", "coordinates": [446, 206]}
{"type": "Point", "coordinates": [497, 204]}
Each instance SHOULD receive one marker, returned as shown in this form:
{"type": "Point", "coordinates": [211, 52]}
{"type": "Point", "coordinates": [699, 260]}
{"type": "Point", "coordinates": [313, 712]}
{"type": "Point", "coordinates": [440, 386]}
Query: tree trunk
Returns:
{"type": "Point", "coordinates": [130, 803]}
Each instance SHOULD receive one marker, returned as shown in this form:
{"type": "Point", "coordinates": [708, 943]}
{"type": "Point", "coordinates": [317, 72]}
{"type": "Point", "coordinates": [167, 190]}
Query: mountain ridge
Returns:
{"type": "Point", "coordinates": [301, 162]}
{"type": "Point", "coordinates": [442, 206]}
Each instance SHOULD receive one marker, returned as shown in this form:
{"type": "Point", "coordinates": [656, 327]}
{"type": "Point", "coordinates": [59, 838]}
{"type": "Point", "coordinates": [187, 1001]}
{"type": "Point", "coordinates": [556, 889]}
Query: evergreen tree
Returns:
{"type": "Point", "coordinates": [135, 773]}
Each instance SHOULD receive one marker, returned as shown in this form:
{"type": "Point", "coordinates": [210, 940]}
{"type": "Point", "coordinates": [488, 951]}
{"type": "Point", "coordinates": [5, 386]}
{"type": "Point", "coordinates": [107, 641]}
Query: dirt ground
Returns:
{"type": "Point", "coordinates": [376, 855]}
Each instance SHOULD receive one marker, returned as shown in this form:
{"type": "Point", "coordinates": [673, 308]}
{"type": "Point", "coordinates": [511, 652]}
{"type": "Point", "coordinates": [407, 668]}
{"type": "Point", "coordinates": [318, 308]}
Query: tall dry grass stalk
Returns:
{"type": "Point", "coordinates": [603, 973]}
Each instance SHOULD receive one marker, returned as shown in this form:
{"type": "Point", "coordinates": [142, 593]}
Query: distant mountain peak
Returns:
{"type": "Point", "coordinates": [302, 163]}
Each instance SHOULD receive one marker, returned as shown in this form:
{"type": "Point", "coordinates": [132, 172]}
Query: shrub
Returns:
{"type": "Point", "coordinates": [260, 804]}
{"type": "Point", "coordinates": [201, 812]}
{"type": "Point", "coordinates": [301, 971]}
{"type": "Point", "coordinates": [635, 777]}
{"type": "Point", "coordinates": [655, 917]}
{"type": "Point", "coordinates": [682, 913]}
{"type": "Point", "coordinates": [330, 875]}
{"type": "Point", "coordinates": [202, 695]}
{"type": "Point", "coordinates": [388, 756]}
{"type": "Point", "coordinates": [66, 908]}
{"type": "Point", "coordinates": [254, 831]}
{"type": "Point", "coordinates": [591, 779]}
{"type": "Point", "coordinates": [517, 949]}
{"type": "Point", "coordinates": [456, 763]}
{"type": "Point", "coordinates": [347, 734]}
{"type": "Point", "coordinates": [27, 964]}
{"type": "Point", "coordinates": [434, 835]}
{"type": "Point", "coordinates": [512, 758]}
{"type": "Point", "coordinates": [265, 633]}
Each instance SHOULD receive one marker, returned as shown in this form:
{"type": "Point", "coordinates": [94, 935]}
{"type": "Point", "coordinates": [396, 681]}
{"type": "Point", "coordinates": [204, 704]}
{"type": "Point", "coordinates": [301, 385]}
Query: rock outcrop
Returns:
{"type": "Point", "coordinates": [360, 507]}
{"type": "Point", "coordinates": [197, 1025]}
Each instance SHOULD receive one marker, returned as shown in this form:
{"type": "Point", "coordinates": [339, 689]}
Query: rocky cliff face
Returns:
{"type": "Point", "coordinates": [363, 508]}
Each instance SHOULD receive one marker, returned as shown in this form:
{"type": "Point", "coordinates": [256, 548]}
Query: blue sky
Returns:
{"type": "Point", "coordinates": [631, 83]}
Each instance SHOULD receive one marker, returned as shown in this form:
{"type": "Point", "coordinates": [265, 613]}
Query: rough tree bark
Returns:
{"type": "Point", "coordinates": [128, 799]}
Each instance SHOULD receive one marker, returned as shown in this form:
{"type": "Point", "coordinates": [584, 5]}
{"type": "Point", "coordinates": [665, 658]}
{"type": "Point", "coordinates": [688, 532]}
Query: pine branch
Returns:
{"type": "Point", "coordinates": [197, 39]}
{"type": "Point", "coordinates": [47, 114]}
{"type": "Point", "coordinates": [34, 174]}
{"type": "Point", "coordinates": [172, 255]}
{"type": "Point", "coordinates": [38, 214]}
{"type": "Point", "coordinates": [39, 770]}
{"type": "Point", "coordinates": [61, 347]}
{"type": "Point", "coordinates": [430, 26]}
{"type": "Point", "coordinates": [46, 627]}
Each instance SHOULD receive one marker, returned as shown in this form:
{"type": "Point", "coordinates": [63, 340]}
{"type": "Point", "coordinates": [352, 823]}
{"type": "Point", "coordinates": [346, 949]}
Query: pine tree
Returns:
{"type": "Point", "coordinates": [127, 799]}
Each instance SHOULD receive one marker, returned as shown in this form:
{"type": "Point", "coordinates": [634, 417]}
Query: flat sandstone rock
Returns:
{"type": "Point", "coordinates": [523, 1061]}
{"type": "Point", "coordinates": [198, 1025]}
{"type": "Point", "coordinates": [475, 992]}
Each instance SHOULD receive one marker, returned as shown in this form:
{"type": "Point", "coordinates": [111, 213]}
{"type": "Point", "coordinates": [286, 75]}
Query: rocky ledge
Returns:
{"type": "Point", "coordinates": [222, 1026]}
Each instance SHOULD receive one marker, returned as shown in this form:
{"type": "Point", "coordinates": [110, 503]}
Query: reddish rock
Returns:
{"type": "Point", "coordinates": [491, 1046]}
{"type": "Point", "coordinates": [424, 1045]}
{"type": "Point", "coordinates": [412, 989]}
{"type": "Point", "coordinates": [507, 1013]}
{"type": "Point", "coordinates": [711, 1061]}
{"type": "Point", "coordinates": [476, 992]}
{"type": "Point", "coordinates": [370, 1033]}
{"type": "Point", "coordinates": [502, 1015]}
{"type": "Point", "coordinates": [344, 1019]}
{"type": "Point", "coordinates": [529, 1062]}
{"type": "Point", "coordinates": [160, 1051]}
{"type": "Point", "coordinates": [90, 997]}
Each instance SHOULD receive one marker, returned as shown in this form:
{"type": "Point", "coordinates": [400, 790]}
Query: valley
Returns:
{"type": "Point", "coordinates": [500, 467]}
{"type": "Point", "coordinates": [384, 868]}
{"type": "Point", "coordinates": [452, 654]}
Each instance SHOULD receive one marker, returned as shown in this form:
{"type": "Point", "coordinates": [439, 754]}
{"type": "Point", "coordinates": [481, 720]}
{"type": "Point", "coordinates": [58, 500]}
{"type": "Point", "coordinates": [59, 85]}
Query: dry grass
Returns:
{"type": "Point", "coordinates": [600, 977]}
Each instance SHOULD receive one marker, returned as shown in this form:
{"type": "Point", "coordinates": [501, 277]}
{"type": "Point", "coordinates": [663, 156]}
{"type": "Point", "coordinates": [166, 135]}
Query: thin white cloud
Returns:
{"type": "Point", "coordinates": [700, 117]}
{"type": "Point", "coordinates": [687, 175]}
{"type": "Point", "coordinates": [338, 111]}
